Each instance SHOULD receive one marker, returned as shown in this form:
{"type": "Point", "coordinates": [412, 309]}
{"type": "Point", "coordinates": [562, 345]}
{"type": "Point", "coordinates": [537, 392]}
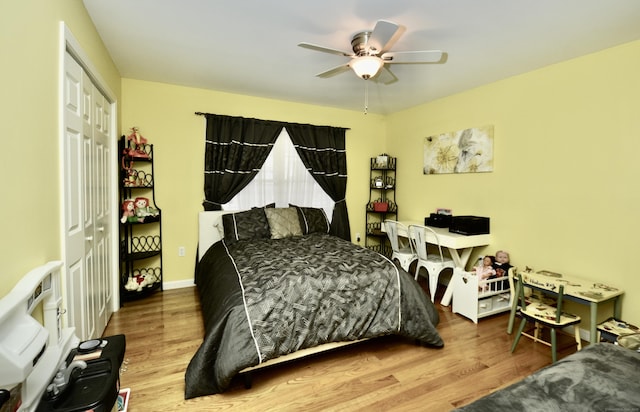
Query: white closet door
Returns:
{"type": "Point", "coordinates": [86, 169]}
{"type": "Point", "coordinates": [89, 209]}
{"type": "Point", "coordinates": [103, 210]}
{"type": "Point", "coordinates": [74, 195]}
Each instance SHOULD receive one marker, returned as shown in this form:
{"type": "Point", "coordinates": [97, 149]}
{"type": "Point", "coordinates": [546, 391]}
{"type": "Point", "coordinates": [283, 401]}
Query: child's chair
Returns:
{"type": "Point", "coordinates": [544, 315]}
{"type": "Point", "coordinates": [530, 295]}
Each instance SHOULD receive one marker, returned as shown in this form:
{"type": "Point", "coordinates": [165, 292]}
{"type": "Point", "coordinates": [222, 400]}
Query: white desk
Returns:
{"type": "Point", "coordinates": [459, 247]}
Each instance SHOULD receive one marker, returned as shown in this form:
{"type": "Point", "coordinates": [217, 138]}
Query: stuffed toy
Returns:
{"type": "Point", "coordinates": [128, 211]}
{"type": "Point", "coordinates": [142, 209]}
{"type": "Point", "coordinates": [138, 142]}
{"type": "Point", "coordinates": [132, 284]}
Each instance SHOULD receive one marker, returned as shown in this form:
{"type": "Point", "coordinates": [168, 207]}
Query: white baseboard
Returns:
{"type": "Point", "coordinates": [178, 284]}
{"type": "Point", "coordinates": [584, 333]}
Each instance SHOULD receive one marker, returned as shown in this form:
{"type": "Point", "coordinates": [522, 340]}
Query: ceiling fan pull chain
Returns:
{"type": "Point", "coordinates": [366, 96]}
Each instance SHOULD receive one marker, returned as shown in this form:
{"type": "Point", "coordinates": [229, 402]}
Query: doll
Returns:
{"type": "Point", "coordinates": [502, 263]}
{"type": "Point", "coordinates": [485, 271]}
{"type": "Point", "coordinates": [128, 207]}
{"type": "Point", "coordinates": [138, 141]}
{"type": "Point", "coordinates": [142, 206]}
{"type": "Point", "coordinates": [143, 209]}
{"type": "Point", "coordinates": [502, 266]}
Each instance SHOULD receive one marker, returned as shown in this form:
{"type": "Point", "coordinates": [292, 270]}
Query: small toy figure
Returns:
{"type": "Point", "coordinates": [138, 141]}
{"type": "Point", "coordinates": [128, 208]}
{"type": "Point", "coordinates": [130, 179]}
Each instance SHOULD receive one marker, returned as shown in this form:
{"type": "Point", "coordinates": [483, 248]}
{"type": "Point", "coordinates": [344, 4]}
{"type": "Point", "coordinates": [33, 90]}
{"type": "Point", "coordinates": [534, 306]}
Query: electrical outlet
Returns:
{"type": "Point", "coordinates": [181, 251]}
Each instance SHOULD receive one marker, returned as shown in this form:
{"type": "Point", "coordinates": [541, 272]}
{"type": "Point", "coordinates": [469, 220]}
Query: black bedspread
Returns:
{"type": "Point", "coordinates": [266, 298]}
{"type": "Point", "coordinates": [601, 377]}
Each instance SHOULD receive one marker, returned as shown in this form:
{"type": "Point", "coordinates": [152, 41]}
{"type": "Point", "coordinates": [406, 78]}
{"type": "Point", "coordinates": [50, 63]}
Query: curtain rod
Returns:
{"type": "Point", "coordinates": [275, 121]}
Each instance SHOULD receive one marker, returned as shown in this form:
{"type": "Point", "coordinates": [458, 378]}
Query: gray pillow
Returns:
{"type": "Point", "coordinates": [283, 222]}
{"type": "Point", "coordinates": [247, 225]}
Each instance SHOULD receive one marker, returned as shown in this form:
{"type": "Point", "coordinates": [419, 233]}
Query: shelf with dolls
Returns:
{"type": "Point", "coordinates": [381, 205]}
{"type": "Point", "coordinates": [140, 222]}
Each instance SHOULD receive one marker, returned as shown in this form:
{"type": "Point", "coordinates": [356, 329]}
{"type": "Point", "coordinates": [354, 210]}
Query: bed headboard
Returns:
{"type": "Point", "coordinates": [210, 229]}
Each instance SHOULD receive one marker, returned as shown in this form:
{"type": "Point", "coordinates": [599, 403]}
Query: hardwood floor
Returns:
{"type": "Point", "coordinates": [164, 331]}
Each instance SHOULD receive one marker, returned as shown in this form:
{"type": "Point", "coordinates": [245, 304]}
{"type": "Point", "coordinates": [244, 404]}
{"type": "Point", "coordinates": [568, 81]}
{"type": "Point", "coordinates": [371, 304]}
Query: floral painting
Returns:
{"type": "Point", "coordinates": [464, 151]}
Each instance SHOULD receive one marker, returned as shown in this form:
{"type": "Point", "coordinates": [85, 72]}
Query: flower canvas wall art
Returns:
{"type": "Point", "coordinates": [463, 151]}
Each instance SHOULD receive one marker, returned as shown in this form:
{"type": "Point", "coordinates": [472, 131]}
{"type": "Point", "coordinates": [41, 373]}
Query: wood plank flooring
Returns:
{"type": "Point", "coordinates": [386, 374]}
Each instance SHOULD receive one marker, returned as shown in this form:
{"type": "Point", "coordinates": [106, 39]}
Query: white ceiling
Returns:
{"type": "Point", "coordinates": [250, 46]}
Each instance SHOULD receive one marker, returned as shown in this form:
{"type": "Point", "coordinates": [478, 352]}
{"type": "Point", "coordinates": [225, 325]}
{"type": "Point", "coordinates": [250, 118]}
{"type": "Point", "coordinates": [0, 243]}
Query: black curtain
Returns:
{"type": "Point", "coordinates": [236, 148]}
{"type": "Point", "coordinates": [322, 150]}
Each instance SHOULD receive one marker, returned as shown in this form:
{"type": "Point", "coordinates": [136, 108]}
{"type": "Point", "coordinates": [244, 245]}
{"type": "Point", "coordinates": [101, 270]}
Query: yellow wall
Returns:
{"type": "Point", "coordinates": [563, 195]}
{"type": "Point", "coordinates": [30, 207]}
{"type": "Point", "coordinates": [165, 115]}
{"type": "Point", "coordinates": [565, 137]}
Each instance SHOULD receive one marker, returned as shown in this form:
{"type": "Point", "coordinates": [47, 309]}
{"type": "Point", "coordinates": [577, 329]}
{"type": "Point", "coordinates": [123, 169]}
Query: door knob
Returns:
{"type": "Point", "coordinates": [88, 238]}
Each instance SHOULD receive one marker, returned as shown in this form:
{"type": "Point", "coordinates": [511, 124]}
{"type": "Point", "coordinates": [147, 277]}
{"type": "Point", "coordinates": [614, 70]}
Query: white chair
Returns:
{"type": "Point", "coordinates": [434, 264]}
{"type": "Point", "coordinates": [402, 251]}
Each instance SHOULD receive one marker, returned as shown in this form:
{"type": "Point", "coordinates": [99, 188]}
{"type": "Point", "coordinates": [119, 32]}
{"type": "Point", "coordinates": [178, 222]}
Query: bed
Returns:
{"type": "Point", "coordinates": [601, 377]}
{"type": "Point", "coordinates": [285, 289]}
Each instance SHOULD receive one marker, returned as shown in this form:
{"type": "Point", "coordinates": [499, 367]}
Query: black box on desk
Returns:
{"type": "Point", "coordinates": [469, 225]}
{"type": "Point", "coordinates": [437, 220]}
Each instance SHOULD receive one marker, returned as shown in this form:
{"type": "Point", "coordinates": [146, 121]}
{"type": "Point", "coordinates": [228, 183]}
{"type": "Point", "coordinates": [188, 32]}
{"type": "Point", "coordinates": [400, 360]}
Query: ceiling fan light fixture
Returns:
{"type": "Point", "coordinates": [366, 67]}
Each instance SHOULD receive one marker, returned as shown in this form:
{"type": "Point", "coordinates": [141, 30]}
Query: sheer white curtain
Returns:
{"type": "Point", "coordinates": [282, 180]}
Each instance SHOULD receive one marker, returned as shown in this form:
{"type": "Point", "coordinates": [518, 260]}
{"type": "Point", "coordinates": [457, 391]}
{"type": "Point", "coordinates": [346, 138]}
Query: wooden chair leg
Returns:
{"type": "Point", "coordinates": [576, 330]}
{"type": "Point", "coordinates": [520, 329]}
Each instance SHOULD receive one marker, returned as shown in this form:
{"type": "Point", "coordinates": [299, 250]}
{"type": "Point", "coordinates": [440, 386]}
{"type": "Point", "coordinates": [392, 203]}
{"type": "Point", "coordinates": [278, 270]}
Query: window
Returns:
{"type": "Point", "coordinates": [282, 180]}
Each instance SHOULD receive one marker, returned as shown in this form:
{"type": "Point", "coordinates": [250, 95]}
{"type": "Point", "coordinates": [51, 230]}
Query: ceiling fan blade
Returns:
{"type": "Point", "coordinates": [384, 35]}
{"type": "Point", "coordinates": [325, 49]}
{"type": "Point", "coordinates": [425, 56]}
{"type": "Point", "coordinates": [385, 76]}
{"type": "Point", "coordinates": [334, 71]}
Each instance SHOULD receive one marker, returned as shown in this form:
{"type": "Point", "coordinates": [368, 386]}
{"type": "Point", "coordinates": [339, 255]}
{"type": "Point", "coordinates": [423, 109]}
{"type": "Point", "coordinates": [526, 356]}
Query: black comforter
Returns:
{"type": "Point", "coordinates": [267, 298]}
{"type": "Point", "coordinates": [601, 377]}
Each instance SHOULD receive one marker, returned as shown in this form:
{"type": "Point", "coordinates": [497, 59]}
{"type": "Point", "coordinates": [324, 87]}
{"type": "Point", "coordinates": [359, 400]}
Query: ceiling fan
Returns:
{"type": "Point", "coordinates": [371, 54]}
